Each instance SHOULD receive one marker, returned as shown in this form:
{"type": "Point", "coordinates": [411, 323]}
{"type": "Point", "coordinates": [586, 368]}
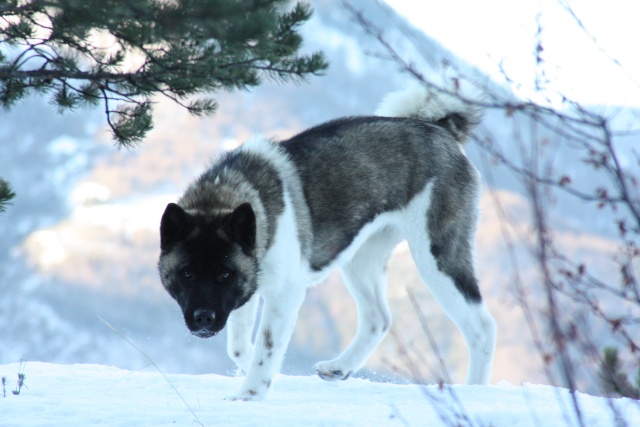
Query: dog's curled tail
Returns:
{"type": "Point", "coordinates": [447, 104]}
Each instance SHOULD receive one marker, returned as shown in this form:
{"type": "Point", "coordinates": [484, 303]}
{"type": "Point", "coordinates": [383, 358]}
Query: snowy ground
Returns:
{"type": "Point", "coordinates": [86, 395]}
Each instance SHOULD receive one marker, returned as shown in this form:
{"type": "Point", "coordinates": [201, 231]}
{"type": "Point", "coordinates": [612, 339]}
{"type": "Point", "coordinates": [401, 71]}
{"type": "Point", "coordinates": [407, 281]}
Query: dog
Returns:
{"type": "Point", "coordinates": [269, 219]}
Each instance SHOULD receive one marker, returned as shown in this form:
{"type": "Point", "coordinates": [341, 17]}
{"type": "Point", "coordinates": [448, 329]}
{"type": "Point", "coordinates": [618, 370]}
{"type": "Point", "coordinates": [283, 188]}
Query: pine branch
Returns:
{"type": "Point", "coordinates": [79, 54]}
{"type": "Point", "coordinates": [185, 49]}
{"type": "Point", "coordinates": [612, 379]}
{"type": "Point", "coordinates": [6, 195]}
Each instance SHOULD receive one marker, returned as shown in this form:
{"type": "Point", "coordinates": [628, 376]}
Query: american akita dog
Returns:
{"type": "Point", "coordinates": [269, 219]}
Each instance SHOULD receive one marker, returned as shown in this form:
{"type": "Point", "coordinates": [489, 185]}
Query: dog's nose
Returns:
{"type": "Point", "coordinates": [204, 318]}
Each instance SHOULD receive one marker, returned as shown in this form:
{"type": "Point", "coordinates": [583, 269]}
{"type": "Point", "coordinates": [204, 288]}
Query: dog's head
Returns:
{"type": "Point", "coordinates": [208, 264]}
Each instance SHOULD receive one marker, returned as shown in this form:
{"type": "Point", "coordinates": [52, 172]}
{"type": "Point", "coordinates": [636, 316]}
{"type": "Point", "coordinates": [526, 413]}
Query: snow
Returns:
{"type": "Point", "coordinates": [89, 395]}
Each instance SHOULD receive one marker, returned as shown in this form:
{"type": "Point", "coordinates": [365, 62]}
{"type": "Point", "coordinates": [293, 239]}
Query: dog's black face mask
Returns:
{"type": "Point", "coordinates": [207, 264]}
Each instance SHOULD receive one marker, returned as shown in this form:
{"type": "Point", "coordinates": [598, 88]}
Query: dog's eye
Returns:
{"type": "Point", "coordinates": [187, 274]}
{"type": "Point", "coordinates": [224, 276]}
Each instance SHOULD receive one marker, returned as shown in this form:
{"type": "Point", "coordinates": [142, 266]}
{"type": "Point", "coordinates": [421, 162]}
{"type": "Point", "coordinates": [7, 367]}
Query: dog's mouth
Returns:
{"type": "Point", "coordinates": [204, 333]}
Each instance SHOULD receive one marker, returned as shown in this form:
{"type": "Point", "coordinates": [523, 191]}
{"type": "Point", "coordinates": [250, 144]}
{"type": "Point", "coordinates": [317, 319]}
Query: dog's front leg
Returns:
{"type": "Point", "coordinates": [240, 330]}
{"type": "Point", "coordinates": [279, 314]}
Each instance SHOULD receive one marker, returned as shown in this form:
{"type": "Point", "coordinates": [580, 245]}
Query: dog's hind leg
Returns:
{"type": "Point", "coordinates": [365, 279]}
{"type": "Point", "coordinates": [472, 317]}
{"type": "Point", "coordinates": [441, 245]}
{"type": "Point", "coordinates": [239, 333]}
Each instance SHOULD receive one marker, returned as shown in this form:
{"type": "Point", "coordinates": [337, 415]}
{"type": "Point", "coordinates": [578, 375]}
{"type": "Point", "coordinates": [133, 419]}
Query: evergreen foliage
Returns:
{"type": "Point", "coordinates": [6, 194]}
{"type": "Point", "coordinates": [120, 53]}
{"type": "Point", "coordinates": [613, 380]}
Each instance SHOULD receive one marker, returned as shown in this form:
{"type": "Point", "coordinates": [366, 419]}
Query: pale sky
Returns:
{"type": "Point", "coordinates": [486, 32]}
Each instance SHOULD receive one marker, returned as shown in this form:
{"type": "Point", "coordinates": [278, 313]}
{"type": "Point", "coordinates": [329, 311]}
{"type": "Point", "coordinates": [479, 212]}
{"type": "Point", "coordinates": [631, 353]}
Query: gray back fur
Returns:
{"type": "Point", "coordinates": [356, 168]}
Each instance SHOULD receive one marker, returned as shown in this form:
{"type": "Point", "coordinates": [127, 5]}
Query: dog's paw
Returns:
{"type": "Point", "coordinates": [246, 396]}
{"type": "Point", "coordinates": [331, 372]}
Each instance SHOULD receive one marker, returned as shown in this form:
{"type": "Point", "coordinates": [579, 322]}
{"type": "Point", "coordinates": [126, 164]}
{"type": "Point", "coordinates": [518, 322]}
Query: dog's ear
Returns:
{"type": "Point", "coordinates": [240, 226]}
{"type": "Point", "coordinates": [175, 225]}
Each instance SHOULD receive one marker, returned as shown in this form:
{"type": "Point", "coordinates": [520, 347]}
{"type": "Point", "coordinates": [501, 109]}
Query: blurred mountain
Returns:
{"type": "Point", "coordinates": [81, 239]}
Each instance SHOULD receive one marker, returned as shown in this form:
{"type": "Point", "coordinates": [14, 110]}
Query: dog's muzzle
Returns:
{"type": "Point", "coordinates": [203, 322]}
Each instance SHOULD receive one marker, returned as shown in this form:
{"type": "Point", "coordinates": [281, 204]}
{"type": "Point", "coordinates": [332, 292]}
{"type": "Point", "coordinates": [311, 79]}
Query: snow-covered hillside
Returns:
{"type": "Point", "coordinates": [87, 395]}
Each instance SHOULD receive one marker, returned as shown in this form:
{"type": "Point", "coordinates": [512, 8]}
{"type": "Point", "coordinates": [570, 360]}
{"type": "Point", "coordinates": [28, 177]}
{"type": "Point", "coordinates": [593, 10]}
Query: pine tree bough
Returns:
{"type": "Point", "coordinates": [612, 378]}
{"type": "Point", "coordinates": [121, 53]}
{"type": "Point", "coordinates": [6, 194]}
